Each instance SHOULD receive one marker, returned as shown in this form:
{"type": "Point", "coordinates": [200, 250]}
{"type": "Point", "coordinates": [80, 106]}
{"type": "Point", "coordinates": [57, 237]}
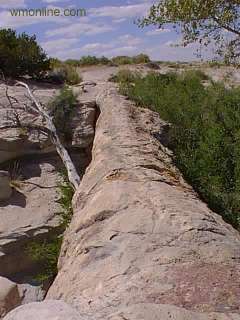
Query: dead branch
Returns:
{"type": "Point", "coordinates": [73, 176]}
{"type": "Point", "coordinates": [35, 107]}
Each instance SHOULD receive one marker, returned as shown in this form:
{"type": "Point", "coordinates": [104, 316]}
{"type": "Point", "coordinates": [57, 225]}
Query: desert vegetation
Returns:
{"type": "Point", "coordinates": [94, 61]}
{"type": "Point", "coordinates": [46, 253]}
{"type": "Point", "coordinates": [204, 133]}
{"type": "Point", "coordinates": [61, 108]}
{"type": "Point", "coordinates": [21, 55]}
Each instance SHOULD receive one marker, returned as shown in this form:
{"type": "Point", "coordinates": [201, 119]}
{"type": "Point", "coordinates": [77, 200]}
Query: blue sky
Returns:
{"type": "Point", "coordinates": [108, 29]}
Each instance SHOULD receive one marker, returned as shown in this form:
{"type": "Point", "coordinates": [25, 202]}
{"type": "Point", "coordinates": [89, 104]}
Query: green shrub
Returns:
{"type": "Point", "coordinates": [63, 72]}
{"type": "Point", "coordinates": [56, 76]}
{"type": "Point", "coordinates": [92, 60]}
{"type": "Point", "coordinates": [205, 134]}
{"type": "Point", "coordinates": [196, 73]}
{"type": "Point", "coordinates": [123, 76]}
{"type": "Point", "coordinates": [73, 62]}
{"type": "Point", "coordinates": [45, 254]}
{"type": "Point", "coordinates": [21, 55]}
{"type": "Point", "coordinates": [55, 63]}
{"type": "Point", "coordinates": [141, 58]}
{"type": "Point", "coordinates": [215, 64]}
{"type": "Point", "coordinates": [71, 75]}
{"type": "Point", "coordinates": [105, 61]}
{"type": "Point", "coordinates": [66, 193]}
{"type": "Point", "coordinates": [121, 60]}
{"type": "Point", "coordinates": [62, 108]}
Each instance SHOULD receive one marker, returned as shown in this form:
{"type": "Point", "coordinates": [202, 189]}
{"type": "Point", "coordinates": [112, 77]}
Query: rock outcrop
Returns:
{"type": "Point", "coordinates": [29, 207]}
{"type": "Point", "coordinates": [48, 310]}
{"type": "Point", "coordinates": [18, 142]}
{"type": "Point", "coordinates": [9, 296]}
{"type": "Point", "coordinates": [142, 245]}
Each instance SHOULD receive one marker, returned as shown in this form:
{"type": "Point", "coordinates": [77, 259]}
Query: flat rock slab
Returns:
{"type": "Point", "coordinates": [140, 235]}
{"type": "Point", "coordinates": [48, 310]}
{"type": "Point", "coordinates": [167, 312]}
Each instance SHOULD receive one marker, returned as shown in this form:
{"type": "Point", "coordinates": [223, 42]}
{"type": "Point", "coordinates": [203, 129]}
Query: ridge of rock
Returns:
{"type": "Point", "coordinates": [141, 244]}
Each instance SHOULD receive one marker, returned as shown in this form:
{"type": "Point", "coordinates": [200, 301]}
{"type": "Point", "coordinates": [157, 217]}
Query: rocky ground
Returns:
{"type": "Point", "coordinates": [141, 244]}
{"type": "Point", "coordinates": [29, 180]}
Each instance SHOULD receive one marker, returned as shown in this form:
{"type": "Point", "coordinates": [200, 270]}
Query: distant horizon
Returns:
{"type": "Point", "coordinates": [107, 29]}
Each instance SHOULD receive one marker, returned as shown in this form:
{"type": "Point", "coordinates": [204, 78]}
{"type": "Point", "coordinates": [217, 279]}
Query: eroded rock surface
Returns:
{"type": "Point", "coordinates": [48, 310]}
{"type": "Point", "coordinates": [18, 142]}
{"type": "Point", "coordinates": [141, 244]}
{"type": "Point", "coordinates": [9, 296]}
{"type": "Point", "coordinates": [29, 192]}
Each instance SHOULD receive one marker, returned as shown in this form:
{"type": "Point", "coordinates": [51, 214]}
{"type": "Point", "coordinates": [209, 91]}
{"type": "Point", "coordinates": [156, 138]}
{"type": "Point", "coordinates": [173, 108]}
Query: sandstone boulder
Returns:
{"type": "Point", "coordinates": [47, 310]}
{"type": "Point", "coordinates": [5, 188]}
{"type": "Point", "coordinates": [9, 296]}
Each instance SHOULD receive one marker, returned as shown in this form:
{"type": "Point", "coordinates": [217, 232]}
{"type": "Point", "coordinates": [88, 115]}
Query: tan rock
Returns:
{"type": "Point", "coordinates": [140, 236]}
{"type": "Point", "coordinates": [18, 142]}
{"type": "Point", "coordinates": [9, 296]}
{"type": "Point", "coordinates": [48, 310]}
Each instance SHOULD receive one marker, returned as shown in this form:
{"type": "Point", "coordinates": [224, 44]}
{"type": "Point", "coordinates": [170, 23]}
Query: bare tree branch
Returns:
{"type": "Point", "coordinates": [61, 150]}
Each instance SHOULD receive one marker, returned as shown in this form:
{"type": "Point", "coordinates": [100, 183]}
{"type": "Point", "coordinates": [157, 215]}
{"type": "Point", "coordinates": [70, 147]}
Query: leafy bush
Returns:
{"type": "Point", "coordinates": [215, 64]}
{"type": "Point", "coordinates": [55, 63]}
{"type": "Point", "coordinates": [66, 193]}
{"type": "Point", "coordinates": [92, 60]}
{"type": "Point", "coordinates": [141, 58]}
{"type": "Point", "coordinates": [73, 62]}
{"type": "Point", "coordinates": [71, 75]}
{"type": "Point", "coordinates": [64, 74]}
{"type": "Point", "coordinates": [121, 60]}
{"type": "Point", "coordinates": [123, 76]}
{"type": "Point", "coordinates": [46, 255]}
{"type": "Point", "coordinates": [21, 55]}
{"type": "Point", "coordinates": [62, 108]}
{"type": "Point", "coordinates": [197, 73]}
{"type": "Point", "coordinates": [205, 134]}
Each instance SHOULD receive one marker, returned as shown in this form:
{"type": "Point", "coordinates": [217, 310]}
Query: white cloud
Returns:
{"type": "Point", "coordinates": [51, 47]}
{"type": "Point", "coordinates": [121, 20]}
{"type": "Point", "coordinates": [117, 12]}
{"type": "Point", "coordinates": [80, 28]}
{"type": "Point", "coordinates": [96, 47]}
{"type": "Point", "coordinates": [123, 50]}
{"type": "Point", "coordinates": [123, 45]}
{"type": "Point", "coordinates": [157, 32]}
{"type": "Point", "coordinates": [12, 3]}
{"type": "Point", "coordinates": [129, 40]}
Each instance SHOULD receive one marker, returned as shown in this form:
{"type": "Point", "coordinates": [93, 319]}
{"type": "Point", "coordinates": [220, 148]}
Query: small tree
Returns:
{"type": "Point", "coordinates": [21, 55]}
{"type": "Point", "coordinates": [205, 21]}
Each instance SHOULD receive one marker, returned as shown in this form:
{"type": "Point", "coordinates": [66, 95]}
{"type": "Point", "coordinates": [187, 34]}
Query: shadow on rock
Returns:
{"type": "Point", "coordinates": [17, 199]}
